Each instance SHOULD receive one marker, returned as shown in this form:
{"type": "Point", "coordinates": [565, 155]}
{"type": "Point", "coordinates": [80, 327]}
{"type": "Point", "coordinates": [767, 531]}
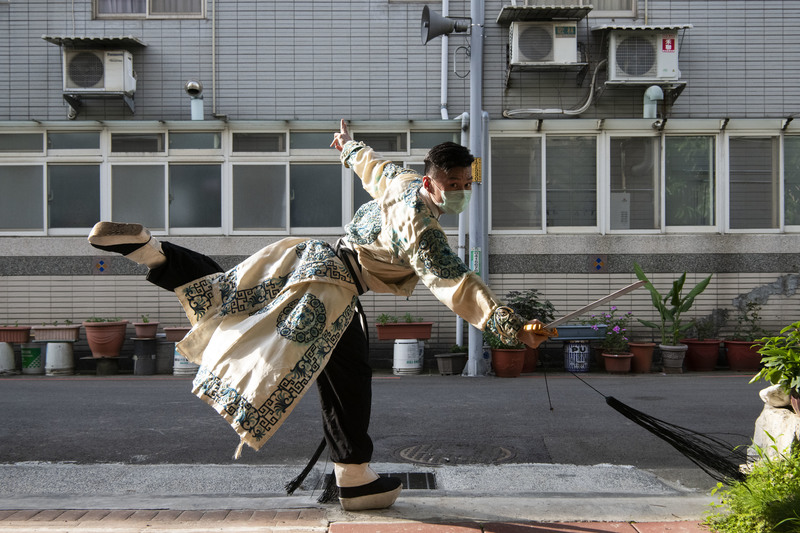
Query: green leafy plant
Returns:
{"type": "Point", "coordinates": [780, 359]}
{"type": "Point", "coordinates": [409, 318]}
{"type": "Point", "coordinates": [384, 319]}
{"type": "Point", "coordinates": [708, 327]}
{"type": "Point", "coordinates": [146, 319]}
{"type": "Point", "coordinates": [616, 339]}
{"type": "Point", "coordinates": [529, 305]}
{"type": "Point", "coordinates": [748, 323]}
{"type": "Point", "coordinates": [767, 501]}
{"type": "Point", "coordinates": [671, 306]}
{"type": "Point", "coordinates": [493, 341]}
{"type": "Point", "coordinates": [457, 348]}
{"type": "Point", "coordinates": [100, 319]}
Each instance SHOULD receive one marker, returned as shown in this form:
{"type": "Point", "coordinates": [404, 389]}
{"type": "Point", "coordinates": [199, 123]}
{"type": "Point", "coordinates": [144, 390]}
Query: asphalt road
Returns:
{"type": "Point", "coordinates": [416, 419]}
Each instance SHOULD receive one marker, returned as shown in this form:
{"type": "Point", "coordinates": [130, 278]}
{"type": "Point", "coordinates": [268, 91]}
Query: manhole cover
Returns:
{"type": "Point", "coordinates": [455, 454]}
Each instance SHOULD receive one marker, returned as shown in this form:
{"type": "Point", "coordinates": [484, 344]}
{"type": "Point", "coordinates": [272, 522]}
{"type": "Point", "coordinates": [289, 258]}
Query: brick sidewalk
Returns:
{"type": "Point", "coordinates": [289, 521]}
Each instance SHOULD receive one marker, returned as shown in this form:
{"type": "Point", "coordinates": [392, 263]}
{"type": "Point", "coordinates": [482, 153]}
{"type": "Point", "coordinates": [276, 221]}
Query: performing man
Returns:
{"type": "Point", "coordinates": [289, 315]}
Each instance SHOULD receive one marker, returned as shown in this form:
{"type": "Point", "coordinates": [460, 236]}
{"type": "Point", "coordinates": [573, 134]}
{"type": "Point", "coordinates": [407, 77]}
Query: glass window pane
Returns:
{"type": "Point", "coordinates": [21, 201]}
{"type": "Point", "coordinates": [516, 182]}
{"type": "Point", "coordinates": [383, 142]}
{"type": "Point", "coordinates": [634, 183]}
{"type": "Point", "coordinates": [360, 196]}
{"type": "Point", "coordinates": [21, 142]}
{"type": "Point", "coordinates": [259, 142]}
{"type": "Point", "coordinates": [164, 7]}
{"type": "Point", "coordinates": [754, 184]}
{"type": "Point", "coordinates": [316, 195]}
{"type": "Point", "coordinates": [74, 140]}
{"type": "Point", "coordinates": [429, 139]}
{"type": "Point", "coordinates": [791, 176]}
{"type": "Point", "coordinates": [195, 196]}
{"type": "Point", "coordinates": [109, 7]}
{"type": "Point", "coordinates": [308, 140]}
{"type": "Point", "coordinates": [74, 195]}
{"type": "Point", "coordinates": [259, 197]}
{"type": "Point", "coordinates": [137, 142]}
{"type": "Point", "coordinates": [137, 195]}
{"type": "Point", "coordinates": [690, 183]}
{"type": "Point", "coordinates": [201, 140]}
{"type": "Point", "coordinates": [571, 181]}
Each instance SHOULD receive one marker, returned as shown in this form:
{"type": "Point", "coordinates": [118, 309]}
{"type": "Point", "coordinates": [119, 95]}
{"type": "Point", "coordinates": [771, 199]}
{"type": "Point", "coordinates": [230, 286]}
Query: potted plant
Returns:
{"type": "Point", "coordinates": [507, 360]}
{"type": "Point", "coordinates": [530, 306]}
{"type": "Point", "coordinates": [741, 348]}
{"type": "Point", "coordinates": [781, 362]}
{"type": "Point", "coordinates": [55, 332]}
{"type": "Point", "coordinates": [411, 327]}
{"type": "Point", "coordinates": [452, 362]}
{"type": "Point", "coordinates": [105, 336]}
{"type": "Point", "coordinates": [145, 329]}
{"type": "Point", "coordinates": [176, 333]}
{"type": "Point", "coordinates": [670, 307]}
{"type": "Point", "coordinates": [703, 348]}
{"type": "Point", "coordinates": [614, 346]}
{"type": "Point", "coordinates": [15, 334]}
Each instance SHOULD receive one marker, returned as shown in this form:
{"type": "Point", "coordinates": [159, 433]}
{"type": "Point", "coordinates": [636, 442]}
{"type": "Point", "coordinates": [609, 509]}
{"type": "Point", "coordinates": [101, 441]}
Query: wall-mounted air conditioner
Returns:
{"type": "Point", "coordinates": [98, 71]}
{"type": "Point", "coordinates": [643, 55]}
{"type": "Point", "coordinates": [543, 43]}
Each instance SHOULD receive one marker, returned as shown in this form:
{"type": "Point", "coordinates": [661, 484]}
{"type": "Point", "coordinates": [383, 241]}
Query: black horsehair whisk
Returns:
{"type": "Point", "coordinates": [717, 458]}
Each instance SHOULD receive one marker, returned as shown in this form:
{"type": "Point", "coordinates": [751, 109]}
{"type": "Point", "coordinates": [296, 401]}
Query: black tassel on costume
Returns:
{"type": "Point", "coordinates": [330, 492]}
{"type": "Point", "coordinates": [296, 482]}
{"type": "Point", "coordinates": [715, 457]}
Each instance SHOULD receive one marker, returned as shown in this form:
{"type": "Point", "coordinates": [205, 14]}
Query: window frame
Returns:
{"type": "Point", "coordinates": [147, 15]}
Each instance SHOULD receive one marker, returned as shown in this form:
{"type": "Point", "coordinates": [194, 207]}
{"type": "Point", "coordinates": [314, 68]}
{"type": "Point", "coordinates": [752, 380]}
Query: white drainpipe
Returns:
{"type": "Point", "coordinates": [445, 54]}
{"type": "Point", "coordinates": [652, 95]}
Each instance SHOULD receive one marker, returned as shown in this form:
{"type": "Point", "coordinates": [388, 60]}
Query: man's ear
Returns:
{"type": "Point", "coordinates": [426, 183]}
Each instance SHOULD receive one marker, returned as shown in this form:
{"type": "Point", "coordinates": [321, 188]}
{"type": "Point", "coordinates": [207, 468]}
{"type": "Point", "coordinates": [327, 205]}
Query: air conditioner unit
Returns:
{"type": "Point", "coordinates": [98, 71]}
{"type": "Point", "coordinates": [543, 43]}
{"type": "Point", "coordinates": [643, 55]}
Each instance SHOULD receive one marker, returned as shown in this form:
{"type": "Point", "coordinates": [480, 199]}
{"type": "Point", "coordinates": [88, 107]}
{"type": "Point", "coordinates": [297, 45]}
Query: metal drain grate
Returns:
{"type": "Point", "coordinates": [411, 480]}
{"type": "Point", "coordinates": [455, 454]}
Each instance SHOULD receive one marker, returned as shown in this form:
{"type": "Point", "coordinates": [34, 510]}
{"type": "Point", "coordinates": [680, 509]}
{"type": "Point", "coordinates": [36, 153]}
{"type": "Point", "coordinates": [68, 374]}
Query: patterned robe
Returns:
{"type": "Point", "coordinates": [264, 330]}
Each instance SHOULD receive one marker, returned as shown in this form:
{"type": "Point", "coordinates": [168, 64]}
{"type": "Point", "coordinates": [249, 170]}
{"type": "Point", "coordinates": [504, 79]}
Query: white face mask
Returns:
{"type": "Point", "coordinates": [454, 202]}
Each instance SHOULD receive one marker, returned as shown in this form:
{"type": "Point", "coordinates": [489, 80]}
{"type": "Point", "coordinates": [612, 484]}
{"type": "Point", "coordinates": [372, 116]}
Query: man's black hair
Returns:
{"type": "Point", "coordinates": [447, 156]}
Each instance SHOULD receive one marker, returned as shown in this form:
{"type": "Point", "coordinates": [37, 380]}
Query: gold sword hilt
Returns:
{"type": "Point", "coordinates": [540, 329]}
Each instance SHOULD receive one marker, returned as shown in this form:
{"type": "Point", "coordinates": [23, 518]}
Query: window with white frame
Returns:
{"type": "Point", "coordinates": [259, 197]}
{"type": "Point", "coordinates": [571, 181]}
{"type": "Point", "coordinates": [516, 183]}
{"type": "Point", "coordinates": [195, 195]}
{"type": "Point", "coordinates": [149, 8]}
{"type": "Point", "coordinates": [21, 200]}
{"type": "Point", "coordinates": [689, 180]}
{"type": "Point", "coordinates": [315, 195]}
{"type": "Point", "coordinates": [73, 195]}
{"type": "Point", "coordinates": [634, 201]}
{"type": "Point", "coordinates": [753, 182]}
{"type": "Point", "coordinates": [791, 180]}
{"type": "Point", "coordinates": [138, 195]}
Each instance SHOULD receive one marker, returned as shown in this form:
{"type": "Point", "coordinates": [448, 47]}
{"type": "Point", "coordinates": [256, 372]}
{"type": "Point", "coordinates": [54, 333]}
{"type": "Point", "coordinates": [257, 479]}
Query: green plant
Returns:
{"type": "Point", "coordinates": [409, 318]}
{"type": "Point", "coordinates": [748, 323]}
{"type": "Point", "coordinates": [708, 327]}
{"type": "Point", "coordinates": [528, 305]}
{"type": "Point", "coordinates": [781, 359]}
{"type": "Point", "coordinates": [671, 306]}
{"type": "Point", "coordinates": [493, 341]}
{"type": "Point", "coordinates": [100, 319]}
{"type": "Point", "coordinates": [616, 339]}
{"type": "Point", "coordinates": [384, 319]}
{"type": "Point", "coordinates": [457, 348]}
{"type": "Point", "coordinates": [767, 501]}
{"type": "Point", "coordinates": [145, 319]}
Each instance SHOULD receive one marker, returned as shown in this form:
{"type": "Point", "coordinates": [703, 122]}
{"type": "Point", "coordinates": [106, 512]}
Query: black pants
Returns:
{"type": "Point", "coordinates": [345, 384]}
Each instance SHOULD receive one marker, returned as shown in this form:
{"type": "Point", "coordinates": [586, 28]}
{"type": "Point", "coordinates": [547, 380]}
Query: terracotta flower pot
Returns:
{"type": "Point", "coordinates": [176, 333]}
{"type": "Point", "coordinates": [617, 363]}
{"type": "Point", "coordinates": [642, 361]}
{"type": "Point", "coordinates": [743, 356]}
{"type": "Point", "coordinates": [531, 360]}
{"type": "Point", "coordinates": [105, 338]}
{"type": "Point", "coordinates": [702, 355]}
{"type": "Point", "coordinates": [404, 330]}
{"type": "Point", "coordinates": [145, 330]}
{"type": "Point", "coordinates": [56, 333]}
{"type": "Point", "coordinates": [507, 362]}
{"type": "Point", "coordinates": [15, 334]}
